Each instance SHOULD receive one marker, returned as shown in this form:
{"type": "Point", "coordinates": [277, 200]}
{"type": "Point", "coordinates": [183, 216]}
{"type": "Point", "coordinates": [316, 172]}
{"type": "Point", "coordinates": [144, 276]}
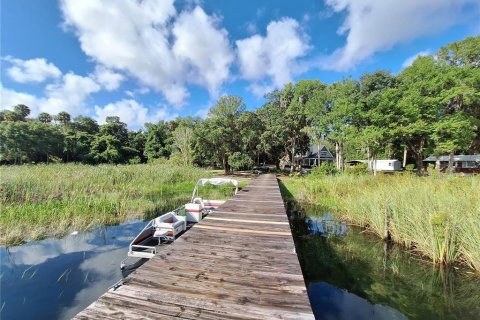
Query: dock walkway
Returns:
{"type": "Point", "coordinates": [237, 263]}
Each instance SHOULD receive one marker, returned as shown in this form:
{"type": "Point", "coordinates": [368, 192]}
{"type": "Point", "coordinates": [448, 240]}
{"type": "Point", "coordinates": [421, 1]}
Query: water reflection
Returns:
{"type": "Point", "coordinates": [325, 226]}
{"type": "Point", "coordinates": [351, 275]}
{"type": "Point", "coordinates": [57, 278]}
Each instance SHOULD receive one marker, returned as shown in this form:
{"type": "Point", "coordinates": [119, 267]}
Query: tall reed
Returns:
{"type": "Point", "coordinates": [43, 200]}
{"type": "Point", "coordinates": [437, 217]}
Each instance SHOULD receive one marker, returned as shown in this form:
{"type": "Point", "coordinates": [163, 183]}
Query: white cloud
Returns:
{"type": "Point", "coordinates": [68, 95]}
{"type": "Point", "coordinates": [33, 70]}
{"type": "Point", "coordinates": [408, 62]}
{"type": "Point", "coordinates": [202, 113]}
{"type": "Point", "coordinates": [109, 79]}
{"type": "Point", "coordinates": [203, 48]}
{"type": "Point", "coordinates": [371, 26]}
{"type": "Point", "coordinates": [274, 56]}
{"type": "Point", "coordinates": [260, 89]}
{"type": "Point", "coordinates": [132, 113]}
{"type": "Point", "coordinates": [150, 41]}
{"type": "Point", "coordinates": [251, 27]}
{"type": "Point", "coordinates": [10, 98]}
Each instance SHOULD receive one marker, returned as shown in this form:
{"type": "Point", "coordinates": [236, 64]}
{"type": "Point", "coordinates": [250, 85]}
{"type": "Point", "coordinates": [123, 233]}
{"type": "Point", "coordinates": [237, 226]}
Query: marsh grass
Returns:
{"type": "Point", "coordinates": [437, 217]}
{"type": "Point", "coordinates": [38, 201]}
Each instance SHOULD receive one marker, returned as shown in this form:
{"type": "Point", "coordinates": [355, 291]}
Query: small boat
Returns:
{"type": "Point", "coordinates": [167, 227]}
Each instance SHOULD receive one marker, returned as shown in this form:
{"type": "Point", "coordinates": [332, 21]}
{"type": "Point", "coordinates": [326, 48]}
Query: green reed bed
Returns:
{"type": "Point", "coordinates": [437, 216]}
{"type": "Point", "coordinates": [52, 200]}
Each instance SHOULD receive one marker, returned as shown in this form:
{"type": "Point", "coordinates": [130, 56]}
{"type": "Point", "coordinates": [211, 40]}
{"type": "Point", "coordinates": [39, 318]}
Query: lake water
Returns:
{"type": "Point", "coordinates": [57, 278]}
{"type": "Point", "coordinates": [351, 275]}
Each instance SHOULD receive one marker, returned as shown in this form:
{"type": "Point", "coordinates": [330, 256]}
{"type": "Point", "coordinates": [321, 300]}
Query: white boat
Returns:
{"type": "Point", "coordinates": [167, 227]}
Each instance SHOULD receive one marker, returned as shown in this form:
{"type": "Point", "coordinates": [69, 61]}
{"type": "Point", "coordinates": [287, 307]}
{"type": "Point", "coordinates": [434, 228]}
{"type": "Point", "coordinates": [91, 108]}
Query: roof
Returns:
{"type": "Point", "coordinates": [366, 161]}
{"type": "Point", "coordinates": [468, 157]}
{"type": "Point", "coordinates": [357, 161]}
{"type": "Point", "coordinates": [325, 154]}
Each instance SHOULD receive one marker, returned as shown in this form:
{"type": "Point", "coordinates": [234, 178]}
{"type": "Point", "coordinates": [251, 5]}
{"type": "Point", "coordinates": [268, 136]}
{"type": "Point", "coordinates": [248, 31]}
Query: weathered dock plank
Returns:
{"type": "Point", "coordinates": [238, 263]}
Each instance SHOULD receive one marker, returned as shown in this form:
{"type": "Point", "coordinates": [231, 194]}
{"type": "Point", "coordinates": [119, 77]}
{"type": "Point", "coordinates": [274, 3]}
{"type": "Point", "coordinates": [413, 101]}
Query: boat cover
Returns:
{"type": "Point", "coordinates": [215, 182]}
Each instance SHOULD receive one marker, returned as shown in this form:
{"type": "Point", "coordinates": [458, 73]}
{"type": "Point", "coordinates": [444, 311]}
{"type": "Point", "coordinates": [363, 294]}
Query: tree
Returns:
{"type": "Point", "coordinates": [273, 136]}
{"type": "Point", "coordinates": [238, 161]}
{"type": "Point", "coordinates": [417, 110]}
{"type": "Point", "coordinates": [29, 142]}
{"type": "Point", "coordinates": [44, 117]}
{"type": "Point", "coordinates": [317, 109]}
{"type": "Point", "coordinates": [79, 136]}
{"type": "Point", "coordinates": [462, 53]}
{"type": "Point", "coordinates": [86, 124]}
{"type": "Point", "coordinates": [373, 114]}
{"type": "Point", "coordinates": [111, 143]}
{"type": "Point", "coordinates": [7, 115]}
{"type": "Point", "coordinates": [158, 142]}
{"type": "Point", "coordinates": [63, 117]}
{"type": "Point", "coordinates": [183, 143]}
{"type": "Point", "coordinates": [223, 131]}
{"type": "Point", "coordinates": [295, 117]}
{"type": "Point", "coordinates": [452, 134]}
{"type": "Point", "coordinates": [251, 128]}
{"type": "Point", "coordinates": [340, 119]}
{"type": "Point", "coordinates": [22, 110]}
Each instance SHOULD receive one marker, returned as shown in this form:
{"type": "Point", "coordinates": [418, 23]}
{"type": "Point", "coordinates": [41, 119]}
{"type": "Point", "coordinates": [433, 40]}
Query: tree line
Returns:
{"type": "Point", "coordinates": [430, 107]}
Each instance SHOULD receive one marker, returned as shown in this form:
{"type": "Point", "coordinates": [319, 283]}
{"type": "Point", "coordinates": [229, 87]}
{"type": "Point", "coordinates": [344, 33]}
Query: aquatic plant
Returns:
{"type": "Point", "coordinates": [37, 201]}
{"type": "Point", "coordinates": [436, 217]}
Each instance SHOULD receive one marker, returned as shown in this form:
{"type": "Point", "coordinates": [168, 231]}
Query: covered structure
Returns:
{"type": "Point", "coordinates": [315, 156]}
{"type": "Point", "coordinates": [461, 163]}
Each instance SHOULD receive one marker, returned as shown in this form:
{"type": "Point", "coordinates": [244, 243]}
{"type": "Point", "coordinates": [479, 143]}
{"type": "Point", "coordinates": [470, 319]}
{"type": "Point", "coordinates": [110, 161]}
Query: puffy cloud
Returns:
{"type": "Point", "coordinates": [69, 94]}
{"type": "Point", "coordinates": [10, 98]}
{"type": "Point", "coordinates": [202, 48]}
{"type": "Point", "coordinates": [150, 41]}
{"type": "Point", "coordinates": [33, 70]}
{"type": "Point", "coordinates": [274, 56]}
{"type": "Point", "coordinates": [109, 79]}
{"type": "Point", "coordinates": [132, 113]}
{"type": "Point", "coordinates": [408, 62]}
{"type": "Point", "coordinates": [377, 25]}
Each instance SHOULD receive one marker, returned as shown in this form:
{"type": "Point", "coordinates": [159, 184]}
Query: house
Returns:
{"type": "Point", "coordinates": [311, 159]}
{"type": "Point", "coordinates": [461, 163]}
{"type": "Point", "coordinates": [388, 165]}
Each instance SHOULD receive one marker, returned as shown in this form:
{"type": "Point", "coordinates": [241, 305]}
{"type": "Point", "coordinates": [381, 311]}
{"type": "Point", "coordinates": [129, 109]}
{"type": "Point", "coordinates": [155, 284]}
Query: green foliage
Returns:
{"type": "Point", "coordinates": [325, 169]}
{"type": "Point", "coordinates": [25, 142]}
{"type": "Point", "coordinates": [410, 167]}
{"type": "Point", "coordinates": [238, 161]}
{"type": "Point", "coordinates": [158, 141]}
{"type": "Point", "coordinates": [218, 137]}
{"type": "Point", "coordinates": [430, 107]}
{"type": "Point", "coordinates": [361, 168]}
{"type": "Point", "coordinates": [462, 53]}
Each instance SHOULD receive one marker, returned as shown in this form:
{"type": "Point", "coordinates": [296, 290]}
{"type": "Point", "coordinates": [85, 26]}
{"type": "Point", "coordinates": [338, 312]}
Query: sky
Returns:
{"type": "Point", "coordinates": [152, 60]}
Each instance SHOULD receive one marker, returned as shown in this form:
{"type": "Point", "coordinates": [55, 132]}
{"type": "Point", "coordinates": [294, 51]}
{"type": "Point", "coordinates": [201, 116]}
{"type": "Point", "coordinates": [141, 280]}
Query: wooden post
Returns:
{"type": "Point", "coordinates": [386, 229]}
{"type": "Point", "coordinates": [405, 152]}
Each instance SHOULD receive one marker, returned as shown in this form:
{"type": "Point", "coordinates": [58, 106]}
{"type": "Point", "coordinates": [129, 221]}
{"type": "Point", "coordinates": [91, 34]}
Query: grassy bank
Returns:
{"type": "Point", "coordinates": [437, 217]}
{"type": "Point", "coordinates": [52, 200]}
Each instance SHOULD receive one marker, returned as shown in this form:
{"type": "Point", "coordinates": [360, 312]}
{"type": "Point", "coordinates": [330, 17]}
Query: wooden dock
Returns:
{"type": "Point", "coordinates": [238, 263]}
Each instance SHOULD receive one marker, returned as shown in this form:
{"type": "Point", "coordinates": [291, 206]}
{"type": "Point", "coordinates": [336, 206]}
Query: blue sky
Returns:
{"type": "Point", "coordinates": [157, 59]}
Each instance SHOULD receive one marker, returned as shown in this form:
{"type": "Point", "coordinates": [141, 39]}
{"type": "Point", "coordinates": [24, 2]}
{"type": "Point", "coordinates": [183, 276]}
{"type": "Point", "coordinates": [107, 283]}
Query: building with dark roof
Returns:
{"type": "Point", "coordinates": [461, 163]}
{"type": "Point", "coordinates": [311, 158]}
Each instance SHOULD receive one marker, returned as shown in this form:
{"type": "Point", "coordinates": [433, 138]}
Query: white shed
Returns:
{"type": "Point", "coordinates": [386, 165]}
